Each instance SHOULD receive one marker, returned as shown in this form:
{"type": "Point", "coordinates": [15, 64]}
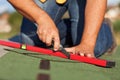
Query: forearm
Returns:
{"type": "Point", "coordinates": [94, 15]}
{"type": "Point", "coordinates": [28, 8]}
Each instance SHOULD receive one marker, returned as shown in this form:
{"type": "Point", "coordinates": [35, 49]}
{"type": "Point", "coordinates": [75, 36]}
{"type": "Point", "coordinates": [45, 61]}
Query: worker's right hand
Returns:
{"type": "Point", "coordinates": [48, 32]}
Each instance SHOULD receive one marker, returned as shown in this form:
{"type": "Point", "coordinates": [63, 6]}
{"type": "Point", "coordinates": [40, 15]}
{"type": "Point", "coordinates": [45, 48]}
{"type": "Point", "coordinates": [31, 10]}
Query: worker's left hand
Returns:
{"type": "Point", "coordinates": [82, 50]}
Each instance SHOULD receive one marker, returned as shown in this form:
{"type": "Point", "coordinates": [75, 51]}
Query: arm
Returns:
{"type": "Point", "coordinates": [30, 10]}
{"type": "Point", "coordinates": [27, 8]}
{"type": "Point", "coordinates": [94, 15]}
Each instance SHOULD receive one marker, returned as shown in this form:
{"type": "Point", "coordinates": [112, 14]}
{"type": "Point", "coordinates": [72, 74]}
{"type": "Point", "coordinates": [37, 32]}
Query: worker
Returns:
{"type": "Point", "coordinates": [85, 32]}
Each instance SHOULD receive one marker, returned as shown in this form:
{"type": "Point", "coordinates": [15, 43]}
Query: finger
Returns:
{"type": "Point", "coordinates": [56, 42]}
{"type": "Point", "coordinates": [71, 50]}
{"type": "Point", "coordinates": [37, 32]}
{"type": "Point", "coordinates": [49, 40]}
{"type": "Point", "coordinates": [39, 35]}
{"type": "Point", "coordinates": [90, 55]}
{"type": "Point", "coordinates": [77, 52]}
{"type": "Point", "coordinates": [44, 35]}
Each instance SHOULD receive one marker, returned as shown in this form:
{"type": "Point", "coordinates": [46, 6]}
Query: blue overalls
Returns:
{"type": "Point", "coordinates": [70, 30]}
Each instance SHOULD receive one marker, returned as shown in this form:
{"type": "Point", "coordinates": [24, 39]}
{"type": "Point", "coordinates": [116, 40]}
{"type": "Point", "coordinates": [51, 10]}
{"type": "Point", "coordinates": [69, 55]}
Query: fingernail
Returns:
{"type": "Point", "coordinates": [81, 54]}
{"type": "Point", "coordinates": [89, 55]}
{"type": "Point", "coordinates": [55, 49]}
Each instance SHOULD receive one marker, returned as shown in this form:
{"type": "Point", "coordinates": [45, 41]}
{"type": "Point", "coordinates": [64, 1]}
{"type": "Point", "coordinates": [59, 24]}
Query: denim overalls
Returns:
{"type": "Point", "coordinates": [70, 29]}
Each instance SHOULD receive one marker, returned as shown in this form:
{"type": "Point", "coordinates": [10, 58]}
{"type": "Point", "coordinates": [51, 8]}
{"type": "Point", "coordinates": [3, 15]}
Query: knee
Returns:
{"type": "Point", "coordinates": [99, 50]}
{"type": "Point", "coordinates": [104, 40]}
{"type": "Point", "coordinates": [26, 39]}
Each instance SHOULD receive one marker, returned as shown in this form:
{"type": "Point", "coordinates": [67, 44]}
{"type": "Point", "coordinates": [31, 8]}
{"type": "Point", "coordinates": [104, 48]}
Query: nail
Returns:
{"type": "Point", "coordinates": [55, 49]}
{"type": "Point", "coordinates": [82, 54]}
{"type": "Point", "coordinates": [89, 55]}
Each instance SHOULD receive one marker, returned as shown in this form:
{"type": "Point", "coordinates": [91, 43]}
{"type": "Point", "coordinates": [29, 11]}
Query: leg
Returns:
{"type": "Point", "coordinates": [81, 4]}
{"type": "Point", "coordinates": [105, 40]}
{"type": "Point", "coordinates": [73, 9]}
{"type": "Point", "coordinates": [77, 11]}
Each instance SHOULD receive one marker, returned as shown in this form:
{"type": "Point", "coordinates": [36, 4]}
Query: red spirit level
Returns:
{"type": "Point", "coordinates": [94, 61]}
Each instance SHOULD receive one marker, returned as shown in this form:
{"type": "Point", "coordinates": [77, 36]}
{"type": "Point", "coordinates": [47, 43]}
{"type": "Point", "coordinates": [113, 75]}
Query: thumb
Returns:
{"type": "Point", "coordinates": [71, 50]}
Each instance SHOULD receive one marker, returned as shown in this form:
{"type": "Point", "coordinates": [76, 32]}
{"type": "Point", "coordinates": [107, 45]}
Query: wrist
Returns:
{"type": "Point", "coordinates": [89, 39]}
{"type": "Point", "coordinates": [88, 43]}
{"type": "Point", "coordinates": [41, 17]}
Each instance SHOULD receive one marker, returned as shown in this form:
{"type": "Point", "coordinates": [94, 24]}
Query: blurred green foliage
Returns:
{"type": "Point", "coordinates": [116, 25]}
{"type": "Point", "coordinates": [15, 22]}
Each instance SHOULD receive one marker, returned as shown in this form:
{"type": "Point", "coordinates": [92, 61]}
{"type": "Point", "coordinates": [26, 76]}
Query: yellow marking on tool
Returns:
{"type": "Point", "coordinates": [24, 47]}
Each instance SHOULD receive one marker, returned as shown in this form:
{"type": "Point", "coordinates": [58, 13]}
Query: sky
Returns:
{"type": "Point", "coordinates": [113, 2]}
{"type": "Point", "coordinates": [4, 5]}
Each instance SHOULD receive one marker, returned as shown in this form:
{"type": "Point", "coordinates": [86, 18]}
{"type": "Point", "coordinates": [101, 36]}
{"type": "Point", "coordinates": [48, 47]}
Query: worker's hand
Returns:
{"type": "Point", "coordinates": [82, 50]}
{"type": "Point", "coordinates": [48, 32]}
